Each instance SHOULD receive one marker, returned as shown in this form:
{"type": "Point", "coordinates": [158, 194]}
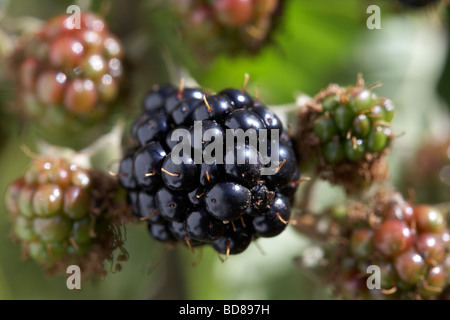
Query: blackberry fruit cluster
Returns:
{"type": "Point", "coordinates": [63, 213]}
{"type": "Point", "coordinates": [67, 76]}
{"type": "Point", "coordinates": [222, 203]}
{"type": "Point", "coordinates": [409, 244]}
{"type": "Point", "coordinates": [347, 132]}
{"type": "Point", "coordinates": [237, 23]}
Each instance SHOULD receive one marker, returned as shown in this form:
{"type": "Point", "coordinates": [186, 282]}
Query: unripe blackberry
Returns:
{"type": "Point", "coordinates": [68, 78]}
{"type": "Point", "coordinates": [241, 25]}
{"type": "Point", "coordinates": [64, 214]}
{"type": "Point", "coordinates": [348, 130]}
{"type": "Point", "coordinates": [410, 250]}
{"type": "Point", "coordinates": [225, 201]}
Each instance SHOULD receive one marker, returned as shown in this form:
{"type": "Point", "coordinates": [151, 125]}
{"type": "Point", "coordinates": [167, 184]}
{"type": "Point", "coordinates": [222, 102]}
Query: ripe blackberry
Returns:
{"type": "Point", "coordinates": [225, 201]}
{"type": "Point", "coordinates": [64, 214]}
{"type": "Point", "coordinates": [241, 25]}
{"type": "Point", "coordinates": [409, 244]}
{"type": "Point", "coordinates": [348, 129]}
{"type": "Point", "coordinates": [68, 78]}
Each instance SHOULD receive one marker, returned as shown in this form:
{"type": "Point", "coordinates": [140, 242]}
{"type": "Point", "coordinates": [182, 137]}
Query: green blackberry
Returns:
{"type": "Point", "coordinates": [348, 129]}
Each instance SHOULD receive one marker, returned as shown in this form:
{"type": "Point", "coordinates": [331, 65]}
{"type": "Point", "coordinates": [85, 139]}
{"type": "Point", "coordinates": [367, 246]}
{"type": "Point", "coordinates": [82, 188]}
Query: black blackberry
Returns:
{"type": "Point", "coordinates": [225, 200]}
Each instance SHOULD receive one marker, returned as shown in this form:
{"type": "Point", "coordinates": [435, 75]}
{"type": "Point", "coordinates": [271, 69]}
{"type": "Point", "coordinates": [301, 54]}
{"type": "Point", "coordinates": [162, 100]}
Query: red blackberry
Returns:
{"type": "Point", "coordinates": [68, 78]}
{"type": "Point", "coordinates": [348, 130]}
{"type": "Point", "coordinates": [63, 214]}
{"type": "Point", "coordinates": [240, 24]}
{"type": "Point", "coordinates": [225, 201]}
{"type": "Point", "coordinates": [410, 245]}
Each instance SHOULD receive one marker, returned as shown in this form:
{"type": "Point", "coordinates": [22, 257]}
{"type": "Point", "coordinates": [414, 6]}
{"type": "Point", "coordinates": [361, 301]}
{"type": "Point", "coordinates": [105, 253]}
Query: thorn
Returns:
{"type": "Point", "coordinates": [301, 180]}
{"type": "Point", "coordinates": [291, 130]}
{"type": "Point", "coordinates": [234, 226]}
{"type": "Point", "coordinates": [281, 219]}
{"type": "Point", "coordinates": [360, 80]}
{"type": "Point", "coordinates": [176, 175]}
{"type": "Point", "coordinates": [115, 175]}
{"type": "Point", "coordinates": [198, 196]}
{"type": "Point", "coordinates": [281, 165]}
{"type": "Point", "coordinates": [349, 134]}
{"type": "Point", "coordinates": [393, 136]}
{"type": "Point", "coordinates": [375, 85]}
{"type": "Point", "coordinates": [74, 243]}
{"type": "Point", "coordinates": [246, 79]}
{"type": "Point", "coordinates": [49, 250]}
{"type": "Point", "coordinates": [389, 291]}
{"type": "Point", "coordinates": [150, 215]}
{"type": "Point", "coordinates": [228, 251]}
{"type": "Point", "coordinates": [151, 174]}
{"type": "Point", "coordinates": [354, 143]}
{"type": "Point", "coordinates": [28, 152]}
{"type": "Point", "coordinates": [188, 243]}
{"type": "Point", "coordinates": [207, 104]}
{"type": "Point", "coordinates": [207, 176]}
{"type": "Point", "coordinates": [180, 89]}
{"type": "Point", "coordinates": [381, 123]}
{"type": "Point", "coordinates": [243, 222]}
{"type": "Point", "coordinates": [199, 257]}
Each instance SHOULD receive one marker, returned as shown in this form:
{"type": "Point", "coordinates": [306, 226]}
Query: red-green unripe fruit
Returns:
{"type": "Point", "coordinates": [66, 52]}
{"type": "Point", "coordinates": [12, 195]}
{"type": "Point", "coordinates": [80, 178]}
{"type": "Point", "coordinates": [431, 247]}
{"type": "Point", "coordinates": [23, 229]}
{"type": "Point", "coordinates": [52, 229]}
{"type": "Point", "coordinates": [112, 47]}
{"type": "Point", "coordinates": [76, 202]}
{"type": "Point", "coordinates": [361, 243]}
{"type": "Point", "coordinates": [233, 13]}
{"type": "Point", "coordinates": [26, 201]}
{"type": "Point", "coordinates": [80, 96]}
{"type": "Point", "coordinates": [434, 282]}
{"type": "Point", "coordinates": [410, 267]}
{"type": "Point", "coordinates": [50, 87]}
{"type": "Point", "coordinates": [354, 150]}
{"type": "Point", "coordinates": [333, 152]}
{"type": "Point", "coordinates": [325, 129]}
{"type": "Point", "coordinates": [378, 138]}
{"type": "Point", "coordinates": [343, 118]}
{"type": "Point", "coordinates": [404, 212]}
{"type": "Point", "coordinates": [107, 88]}
{"type": "Point", "coordinates": [47, 200]}
{"type": "Point", "coordinates": [429, 219]}
{"type": "Point", "coordinates": [28, 71]}
{"type": "Point", "coordinates": [94, 67]}
{"type": "Point", "coordinates": [393, 237]}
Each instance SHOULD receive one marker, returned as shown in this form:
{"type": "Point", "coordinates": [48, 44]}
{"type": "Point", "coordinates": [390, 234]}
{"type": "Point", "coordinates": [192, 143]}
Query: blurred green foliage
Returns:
{"type": "Point", "coordinates": [317, 43]}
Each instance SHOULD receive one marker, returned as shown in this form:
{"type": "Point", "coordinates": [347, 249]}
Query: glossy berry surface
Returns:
{"type": "Point", "coordinates": [78, 79]}
{"type": "Point", "coordinates": [233, 194]}
{"type": "Point", "coordinates": [411, 257]}
{"type": "Point", "coordinates": [59, 212]}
